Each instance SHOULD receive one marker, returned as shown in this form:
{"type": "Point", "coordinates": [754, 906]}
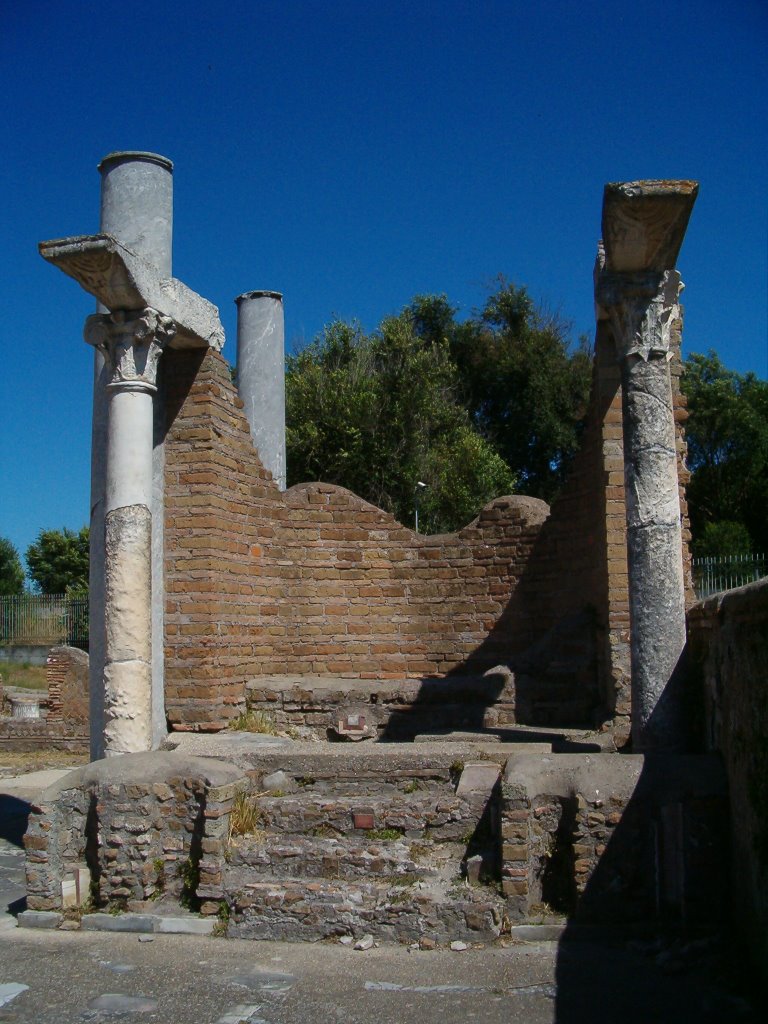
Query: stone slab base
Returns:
{"type": "Point", "coordinates": [142, 923]}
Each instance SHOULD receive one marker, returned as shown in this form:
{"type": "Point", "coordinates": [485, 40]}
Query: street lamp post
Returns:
{"type": "Point", "coordinates": [420, 486]}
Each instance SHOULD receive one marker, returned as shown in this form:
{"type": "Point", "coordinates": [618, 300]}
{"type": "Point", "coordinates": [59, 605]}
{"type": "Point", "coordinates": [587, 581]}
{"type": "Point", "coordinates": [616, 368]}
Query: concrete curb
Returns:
{"type": "Point", "coordinates": [143, 923]}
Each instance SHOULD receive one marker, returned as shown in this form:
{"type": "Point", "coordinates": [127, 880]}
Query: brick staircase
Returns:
{"type": "Point", "coordinates": [396, 843]}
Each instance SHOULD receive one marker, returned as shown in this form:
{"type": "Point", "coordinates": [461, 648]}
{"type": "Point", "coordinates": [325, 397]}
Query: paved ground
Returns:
{"type": "Point", "coordinates": [61, 977]}
{"type": "Point", "coordinates": [87, 977]}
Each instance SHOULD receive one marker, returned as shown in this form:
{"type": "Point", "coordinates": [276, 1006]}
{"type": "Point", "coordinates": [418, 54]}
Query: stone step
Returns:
{"type": "Point", "coordinates": [250, 858]}
{"type": "Point", "coordinates": [445, 816]}
{"type": "Point", "coordinates": [301, 910]}
{"type": "Point", "coordinates": [510, 746]}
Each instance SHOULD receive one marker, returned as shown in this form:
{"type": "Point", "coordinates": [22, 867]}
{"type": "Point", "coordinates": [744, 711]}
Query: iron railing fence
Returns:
{"type": "Point", "coordinates": [44, 619]}
{"type": "Point", "coordinates": [711, 575]}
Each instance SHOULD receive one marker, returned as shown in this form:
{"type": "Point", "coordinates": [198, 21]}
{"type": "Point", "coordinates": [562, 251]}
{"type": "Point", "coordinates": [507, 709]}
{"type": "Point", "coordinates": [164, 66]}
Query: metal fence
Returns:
{"type": "Point", "coordinates": [40, 619]}
{"type": "Point", "coordinates": [711, 575]}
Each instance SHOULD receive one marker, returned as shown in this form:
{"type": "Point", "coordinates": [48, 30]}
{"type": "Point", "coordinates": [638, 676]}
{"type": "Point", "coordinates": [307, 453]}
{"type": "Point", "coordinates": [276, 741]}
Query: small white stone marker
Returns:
{"type": "Point", "coordinates": [10, 990]}
{"type": "Point", "coordinates": [243, 1013]}
{"type": "Point", "coordinates": [459, 947]}
{"type": "Point", "coordinates": [117, 1002]}
{"type": "Point", "coordinates": [365, 943]}
{"type": "Point", "coordinates": [346, 940]}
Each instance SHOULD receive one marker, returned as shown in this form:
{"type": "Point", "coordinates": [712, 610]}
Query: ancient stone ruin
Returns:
{"type": "Point", "coordinates": [494, 679]}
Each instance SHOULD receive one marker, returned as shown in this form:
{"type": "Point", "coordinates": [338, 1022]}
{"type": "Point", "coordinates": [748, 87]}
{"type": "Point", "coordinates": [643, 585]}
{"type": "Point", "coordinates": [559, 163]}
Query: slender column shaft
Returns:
{"type": "Point", "coordinates": [261, 375]}
{"type": "Point", "coordinates": [641, 314]}
{"type": "Point", "coordinates": [137, 209]}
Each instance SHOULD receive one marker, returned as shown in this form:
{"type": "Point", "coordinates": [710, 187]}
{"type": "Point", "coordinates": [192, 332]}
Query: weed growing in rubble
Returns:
{"type": "Point", "coordinates": [245, 817]}
{"type": "Point", "coordinates": [254, 721]}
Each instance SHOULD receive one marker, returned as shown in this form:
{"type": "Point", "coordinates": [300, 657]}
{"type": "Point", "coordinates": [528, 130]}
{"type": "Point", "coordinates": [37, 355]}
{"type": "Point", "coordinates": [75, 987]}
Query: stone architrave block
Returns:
{"type": "Point", "coordinates": [121, 279]}
{"type": "Point", "coordinates": [478, 778]}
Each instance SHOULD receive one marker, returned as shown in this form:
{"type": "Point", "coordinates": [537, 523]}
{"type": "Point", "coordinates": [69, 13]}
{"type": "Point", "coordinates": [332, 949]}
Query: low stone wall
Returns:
{"type": "Point", "coordinates": [400, 709]}
{"type": "Point", "coordinates": [728, 648]}
{"type": "Point", "coordinates": [21, 735]}
{"type": "Point", "coordinates": [615, 837]}
{"type": "Point", "coordinates": [142, 825]}
{"type": "Point", "coordinates": [21, 654]}
{"type": "Point", "coordinates": [65, 722]}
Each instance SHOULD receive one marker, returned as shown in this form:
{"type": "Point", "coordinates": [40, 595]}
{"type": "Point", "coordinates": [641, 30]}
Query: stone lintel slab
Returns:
{"type": "Point", "coordinates": [122, 280]}
{"type": "Point", "coordinates": [644, 223]}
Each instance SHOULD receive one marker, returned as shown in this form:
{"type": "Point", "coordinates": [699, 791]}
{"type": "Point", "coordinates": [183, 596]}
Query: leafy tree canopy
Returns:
{"type": "Point", "coordinates": [727, 435]}
{"type": "Point", "coordinates": [58, 561]}
{"type": "Point", "coordinates": [428, 398]}
{"type": "Point", "coordinates": [11, 571]}
{"type": "Point", "coordinates": [377, 413]}
{"type": "Point", "coordinates": [525, 390]}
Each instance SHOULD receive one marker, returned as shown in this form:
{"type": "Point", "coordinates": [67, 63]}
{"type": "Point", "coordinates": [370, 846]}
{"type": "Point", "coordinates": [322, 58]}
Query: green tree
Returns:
{"type": "Point", "coordinates": [11, 572]}
{"type": "Point", "coordinates": [525, 389]}
{"type": "Point", "coordinates": [377, 413]}
{"type": "Point", "coordinates": [727, 435]}
{"type": "Point", "coordinates": [58, 561]}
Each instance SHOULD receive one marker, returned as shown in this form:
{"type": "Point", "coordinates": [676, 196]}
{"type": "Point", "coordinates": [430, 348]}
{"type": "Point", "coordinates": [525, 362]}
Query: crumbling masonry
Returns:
{"type": "Point", "coordinates": [501, 667]}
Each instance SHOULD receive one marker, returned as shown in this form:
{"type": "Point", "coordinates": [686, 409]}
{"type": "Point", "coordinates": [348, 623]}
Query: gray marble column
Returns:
{"type": "Point", "coordinates": [137, 209]}
{"type": "Point", "coordinates": [131, 344]}
{"type": "Point", "coordinates": [261, 375]}
{"type": "Point", "coordinates": [637, 293]}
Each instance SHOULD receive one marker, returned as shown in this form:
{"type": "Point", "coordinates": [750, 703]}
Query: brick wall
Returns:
{"type": "Point", "coordinates": [728, 647]}
{"type": "Point", "coordinates": [318, 582]}
{"type": "Point", "coordinates": [28, 734]}
{"type": "Point", "coordinates": [314, 581]}
{"type": "Point", "coordinates": [66, 672]}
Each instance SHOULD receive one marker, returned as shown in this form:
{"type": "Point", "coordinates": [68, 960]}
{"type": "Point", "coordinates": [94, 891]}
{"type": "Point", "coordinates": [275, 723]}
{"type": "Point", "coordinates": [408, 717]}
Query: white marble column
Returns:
{"type": "Point", "coordinates": [137, 209]}
{"type": "Point", "coordinates": [261, 375]}
{"type": "Point", "coordinates": [131, 345]}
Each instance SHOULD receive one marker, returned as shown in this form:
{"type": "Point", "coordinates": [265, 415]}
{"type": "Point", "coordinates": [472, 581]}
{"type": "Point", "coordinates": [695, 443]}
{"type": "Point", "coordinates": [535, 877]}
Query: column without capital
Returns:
{"type": "Point", "coordinates": [261, 376]}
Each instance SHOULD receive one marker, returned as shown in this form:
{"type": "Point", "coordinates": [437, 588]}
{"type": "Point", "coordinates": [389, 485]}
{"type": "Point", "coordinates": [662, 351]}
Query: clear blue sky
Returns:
{"type": "Point", "coordinates": [352, 155]}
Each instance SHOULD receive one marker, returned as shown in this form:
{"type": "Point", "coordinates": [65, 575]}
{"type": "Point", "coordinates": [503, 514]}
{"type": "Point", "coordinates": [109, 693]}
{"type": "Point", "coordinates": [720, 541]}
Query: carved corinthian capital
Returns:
{"type": "Point", "coordinates": [132, 343]}
{"type": "Point", "coordinates": [641, 309]}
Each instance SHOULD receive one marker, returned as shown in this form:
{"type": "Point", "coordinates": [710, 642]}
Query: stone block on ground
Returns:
{"type": "Point", "coordinates": [39, 919]}
{"type": "Point", "coordinates": [479, 777]}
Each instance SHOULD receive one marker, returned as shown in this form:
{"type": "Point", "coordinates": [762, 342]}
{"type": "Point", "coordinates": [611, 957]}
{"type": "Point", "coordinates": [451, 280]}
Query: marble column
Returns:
{"type": "Point", "coordinates": [261, 375]}
{"type": "Point", "coordinates": [131, 344]}
{"type": "Point", "coordinates": [137, 209]}
{"type": "Point", "coordinates": [637, 293]}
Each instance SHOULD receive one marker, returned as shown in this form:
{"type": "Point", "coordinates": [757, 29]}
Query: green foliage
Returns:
{"type": "Point", "coordinates": [11, 572]}
{"type": "Point", "coordinates": [473, 409]}
{"type": "Point", "coordinates": [721, 539]}
{"type": "Point", "coordinates": [727, 435]}
{"type": "Point", "coordinates": [383, 834]}
{"type": "Point", "coordinates": [58, 561]}
{"type": "Point", "coordinates": [189, 873]}
{"type": "Point", "coordinates": [525, 390]}
{"type": "Point", "coordinates": [375, 413]}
